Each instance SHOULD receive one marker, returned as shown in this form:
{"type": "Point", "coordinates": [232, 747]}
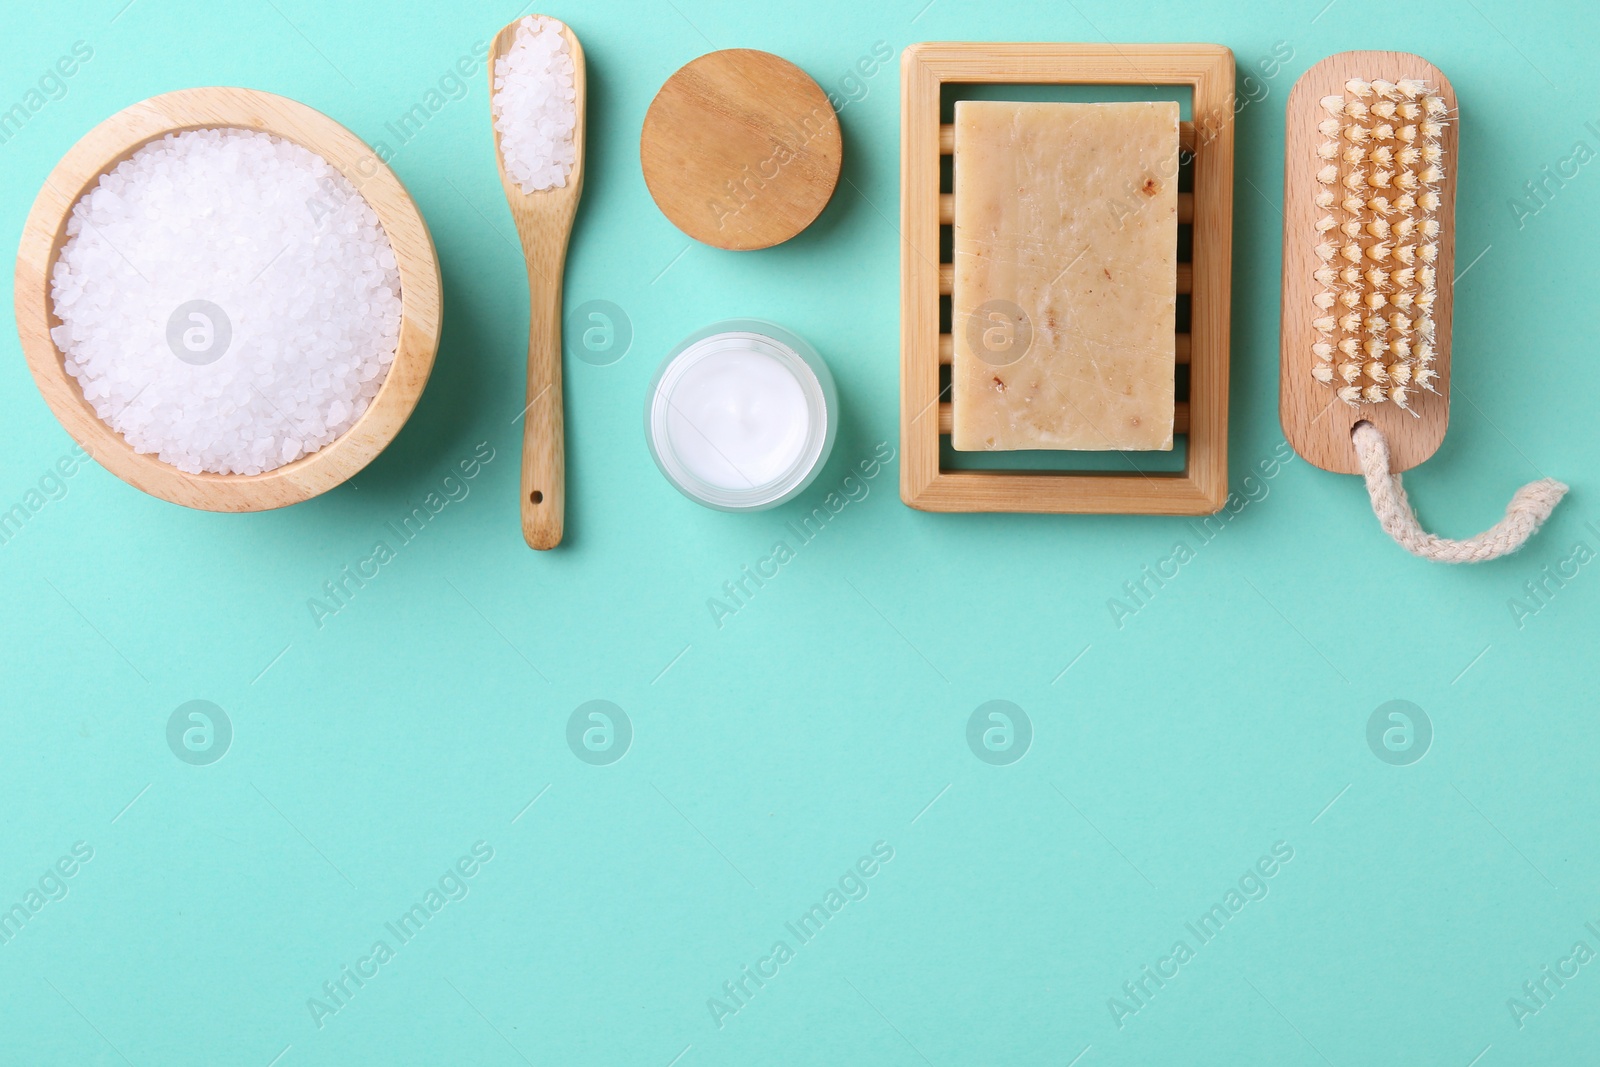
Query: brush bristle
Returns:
{"type": "Point", "coordinates": [1380, 167]}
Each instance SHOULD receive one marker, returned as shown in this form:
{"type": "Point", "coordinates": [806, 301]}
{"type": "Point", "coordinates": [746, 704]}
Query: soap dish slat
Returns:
{"type": "Point", "coordinates": [925, 413]}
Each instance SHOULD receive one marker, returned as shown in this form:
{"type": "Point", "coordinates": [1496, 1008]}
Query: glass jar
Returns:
{"type": "Point", "coordinates": [741, 415]}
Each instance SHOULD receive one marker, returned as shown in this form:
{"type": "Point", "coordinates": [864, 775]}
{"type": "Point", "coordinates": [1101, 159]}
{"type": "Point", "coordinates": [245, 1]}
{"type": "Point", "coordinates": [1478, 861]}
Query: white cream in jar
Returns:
{"type": "Point", "coordinates": [741, 415]}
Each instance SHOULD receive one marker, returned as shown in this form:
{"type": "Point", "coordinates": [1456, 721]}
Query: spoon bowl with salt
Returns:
{"type": "Point", "coordinates": [537, 101]}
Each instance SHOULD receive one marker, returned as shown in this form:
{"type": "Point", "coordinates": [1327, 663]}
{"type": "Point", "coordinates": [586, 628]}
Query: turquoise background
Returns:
{"type": "Point", "coordinates": [1228, 714]}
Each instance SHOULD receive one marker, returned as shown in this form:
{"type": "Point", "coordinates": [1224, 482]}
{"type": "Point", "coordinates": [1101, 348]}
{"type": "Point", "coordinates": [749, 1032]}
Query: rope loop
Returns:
{"type": "Point", "coordinates": [1530, 506]}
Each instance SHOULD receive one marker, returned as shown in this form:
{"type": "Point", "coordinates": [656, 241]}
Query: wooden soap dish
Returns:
{"type": "Point", "coordinates": [926, 277]}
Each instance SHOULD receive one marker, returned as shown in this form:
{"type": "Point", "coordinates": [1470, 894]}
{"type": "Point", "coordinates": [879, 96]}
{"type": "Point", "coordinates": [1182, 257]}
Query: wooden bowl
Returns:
{"type": "Point", "coordinates": [119, 137]}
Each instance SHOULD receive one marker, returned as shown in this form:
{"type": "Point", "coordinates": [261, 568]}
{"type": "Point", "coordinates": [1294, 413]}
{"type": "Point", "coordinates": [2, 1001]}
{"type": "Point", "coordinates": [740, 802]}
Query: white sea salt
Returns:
{"type": "Point", "coordinates": [228, 301]}
{"type": "Point", "coordinates": [535, 106]}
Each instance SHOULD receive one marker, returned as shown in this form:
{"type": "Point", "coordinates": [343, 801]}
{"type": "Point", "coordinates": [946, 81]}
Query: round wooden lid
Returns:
{"type": "Point", "coordinates": [741, 149]}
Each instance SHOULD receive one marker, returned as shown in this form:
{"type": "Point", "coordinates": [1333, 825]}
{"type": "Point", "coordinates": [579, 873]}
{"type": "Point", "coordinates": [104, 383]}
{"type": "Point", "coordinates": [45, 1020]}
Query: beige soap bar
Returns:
{"type": "Point", "coordinates": [1066, 242]}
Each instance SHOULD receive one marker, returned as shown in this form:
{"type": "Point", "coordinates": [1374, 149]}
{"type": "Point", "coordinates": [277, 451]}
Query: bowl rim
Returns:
{"type": "Point", "coordinates": [119, 137]}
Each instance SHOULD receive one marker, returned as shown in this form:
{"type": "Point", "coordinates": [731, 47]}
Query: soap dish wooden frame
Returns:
{"type": "Point", "coordinates": [1202, 486]}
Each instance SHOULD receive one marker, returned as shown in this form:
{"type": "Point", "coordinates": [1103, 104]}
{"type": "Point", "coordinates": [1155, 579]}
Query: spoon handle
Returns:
{"type": "Point", "coordinates": [544, 463]}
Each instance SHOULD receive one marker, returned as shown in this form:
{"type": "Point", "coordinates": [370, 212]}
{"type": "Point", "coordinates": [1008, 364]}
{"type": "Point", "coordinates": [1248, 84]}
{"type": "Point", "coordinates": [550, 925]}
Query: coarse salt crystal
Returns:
{"type": "Point", "coordinates": [229, 301]}
{"type": "Point", "coordinates": [535, 106]}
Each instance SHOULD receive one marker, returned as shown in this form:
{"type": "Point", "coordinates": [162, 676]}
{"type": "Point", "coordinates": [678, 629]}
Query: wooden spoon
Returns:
{"type": "Point", "coordinates": [544, 224]}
